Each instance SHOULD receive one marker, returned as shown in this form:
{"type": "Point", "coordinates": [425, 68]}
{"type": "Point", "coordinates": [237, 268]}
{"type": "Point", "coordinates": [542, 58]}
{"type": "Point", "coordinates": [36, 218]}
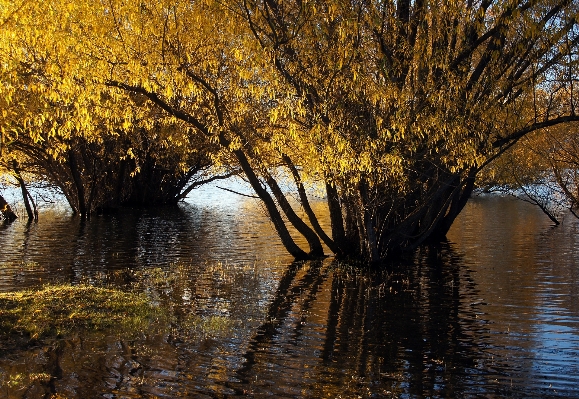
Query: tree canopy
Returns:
{"type": "Point", "coordinates": [101, 147]}
{"type": "Point", "coordinates": [394, 106]}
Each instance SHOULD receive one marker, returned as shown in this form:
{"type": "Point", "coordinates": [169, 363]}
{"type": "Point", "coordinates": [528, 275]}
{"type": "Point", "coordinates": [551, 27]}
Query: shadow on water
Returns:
{"type": "Point", "coordinates": [334, 331]}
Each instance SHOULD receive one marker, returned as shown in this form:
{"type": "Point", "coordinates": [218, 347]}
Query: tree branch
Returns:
{"type": "Point", "coordinates": [154, 97]}
{"type": "Point", "coordinates": [513, 137]}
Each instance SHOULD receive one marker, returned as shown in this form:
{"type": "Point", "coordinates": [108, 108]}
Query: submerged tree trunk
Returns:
{"type": "Point", "coordinates": [31, 211]}
{"type": "Point", "coordinates": [307, 207]}
{"type": "Point", "coordinates": [6, 211]}
{"type": "Point", "coordinates": [341, 243]}
{"type": "Point", "coordinates": [78, 184]}
{"type": "Point", "coordinates": [311, 237]}
{"type": "Point", "coordinates": [270, 205]}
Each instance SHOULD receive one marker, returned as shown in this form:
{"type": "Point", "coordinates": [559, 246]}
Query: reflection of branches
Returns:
{"type": "Point", "coordinates": [378, 332]}
{"type": "Point", "coordinates": [280, 308]}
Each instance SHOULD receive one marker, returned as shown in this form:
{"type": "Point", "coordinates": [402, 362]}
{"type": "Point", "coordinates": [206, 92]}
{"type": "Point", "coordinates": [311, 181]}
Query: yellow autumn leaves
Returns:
{"type": "Point", "coordinates": [350, 90]}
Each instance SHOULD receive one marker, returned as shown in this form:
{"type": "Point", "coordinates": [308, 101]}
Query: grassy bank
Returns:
{"type": "Point", "coordinates": [57, 309]}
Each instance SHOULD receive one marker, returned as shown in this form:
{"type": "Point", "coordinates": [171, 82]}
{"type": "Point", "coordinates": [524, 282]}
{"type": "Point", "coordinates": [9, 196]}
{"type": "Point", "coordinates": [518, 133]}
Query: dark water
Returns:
{"type": "Point", "coordinates": [492, 313]}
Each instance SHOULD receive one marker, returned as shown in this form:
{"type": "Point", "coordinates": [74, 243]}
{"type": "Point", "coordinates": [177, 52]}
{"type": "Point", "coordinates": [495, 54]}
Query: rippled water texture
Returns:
{"type": "Point", "coordinates": [492, 313]}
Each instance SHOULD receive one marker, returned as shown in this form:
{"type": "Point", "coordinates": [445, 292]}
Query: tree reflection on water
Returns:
{"type": "Point", "coordinates": [334, 330]}
{"type": "Point", "coordinates": [491, 313]}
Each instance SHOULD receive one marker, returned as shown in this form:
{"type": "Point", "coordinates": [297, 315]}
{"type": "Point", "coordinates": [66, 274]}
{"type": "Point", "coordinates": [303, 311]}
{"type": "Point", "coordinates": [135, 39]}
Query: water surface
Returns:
{"type": "Point", "coordinates": [494, 312]}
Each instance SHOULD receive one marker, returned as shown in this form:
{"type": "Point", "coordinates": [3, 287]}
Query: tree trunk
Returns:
{"type": "Point", "coordinates": [316, 249]}
{"type": "Point", "coordinates": [6, 211]}
{"type": "Point", "coordinates": [457, 205]}
{"type": "Point", "coordinates": [352, 232]}
{"type": "Point", "coordinates": [336, 220]}
{"type": "Point", "coordinates": [369, 224]}
{"type": "Point", "coordinates": [76, 177]}
{"type": "Point", "coordinates": [307, 208]}
{"type": "Point", "coordinates": [269, 203]}
{"type": "Point", "coordinates": [26, 197]}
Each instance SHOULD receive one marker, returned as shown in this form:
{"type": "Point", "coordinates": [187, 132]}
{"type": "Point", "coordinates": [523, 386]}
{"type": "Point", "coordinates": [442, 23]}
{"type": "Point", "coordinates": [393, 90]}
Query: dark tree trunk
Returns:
{"type": "Point", "coordinates": [337, 220]}
{"type": "Point", "coordinates": [352, 232]}
{"type": "Point", "coordinates": [26, 197]}
{"type": "Point", "coordinates": [118, 198]}
{"type": "Point", "coordinates": [307, 207]}
{"type": "Point", "coordinates": [370, 227]}
{"type": "Point", "coordinates": [316, 249]}
{"type": "Point", "coordinates": [78, 183]}
{"type": "Point", "coordinates": [459, 201]}
{"type": "Point", "coordinates": [270, 205]}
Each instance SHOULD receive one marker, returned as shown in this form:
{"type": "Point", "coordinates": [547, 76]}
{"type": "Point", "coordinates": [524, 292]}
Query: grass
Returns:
{"type": "Point", "coordinates": [208, 326]}
{"type": "Point", "coordinates": [58, 309]}
{"type": "Point", "coordinates": [20, 380]}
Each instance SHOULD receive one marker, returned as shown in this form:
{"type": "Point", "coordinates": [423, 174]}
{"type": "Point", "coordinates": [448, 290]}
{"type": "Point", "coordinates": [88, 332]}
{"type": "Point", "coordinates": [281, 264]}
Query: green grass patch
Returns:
{"type": "Point", "coordinates": [59, 309]}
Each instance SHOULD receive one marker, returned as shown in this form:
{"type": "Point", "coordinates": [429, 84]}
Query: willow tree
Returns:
{"type": "Point", "coordinates": [403, 103]}
{"type": "Point", "coordinates": [562, 155]}
{"type": "Point", "coordinates": [193, 61]}
{"type": "Point", "coordinates": [395, 107]}
{"type": "Point", "coordinates": [6, 211]}
{"type": "Point", "coordinates": [62, 126]}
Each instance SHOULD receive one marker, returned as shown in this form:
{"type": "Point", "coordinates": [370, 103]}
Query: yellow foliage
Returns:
{"type": "Point", "coordinates": [345, 92]}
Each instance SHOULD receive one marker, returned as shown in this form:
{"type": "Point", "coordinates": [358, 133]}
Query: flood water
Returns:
{"type": "Point", "coordinates": [492, 313]}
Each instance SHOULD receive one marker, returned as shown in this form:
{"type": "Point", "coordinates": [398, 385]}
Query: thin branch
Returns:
{"type": "Point", "coordinates": [202, 182]}
{"type": "Point", "coordinates": [513, 137]}
{"type": "Point", "coordinates": [154, 97]}
{"type": "Point", "coordinates": [238, 193]}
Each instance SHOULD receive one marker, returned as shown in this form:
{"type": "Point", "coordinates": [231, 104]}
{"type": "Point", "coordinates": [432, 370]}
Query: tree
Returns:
{"type": "Point", "coordinates": [408, 101]}
{"type": "Point", "coordinates": [7, 212]}
{"type": "Point", "coordinates": [563, 160]}
{"type": "Point", "coordinates": [101, 149]}
{"type": "Point", "coordinates": [543, 169]}
{"type": "Point", "coordinates": [395, 107]}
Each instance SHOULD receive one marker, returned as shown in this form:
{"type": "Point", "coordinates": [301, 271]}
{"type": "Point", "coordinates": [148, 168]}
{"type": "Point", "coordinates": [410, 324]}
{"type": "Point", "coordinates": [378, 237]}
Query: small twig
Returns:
{"type": "Point", "coordinates": [238, 193]}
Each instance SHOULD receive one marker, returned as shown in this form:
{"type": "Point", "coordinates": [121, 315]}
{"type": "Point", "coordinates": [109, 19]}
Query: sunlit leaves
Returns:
{"type": "Point", "coordinates": [401, 96]}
